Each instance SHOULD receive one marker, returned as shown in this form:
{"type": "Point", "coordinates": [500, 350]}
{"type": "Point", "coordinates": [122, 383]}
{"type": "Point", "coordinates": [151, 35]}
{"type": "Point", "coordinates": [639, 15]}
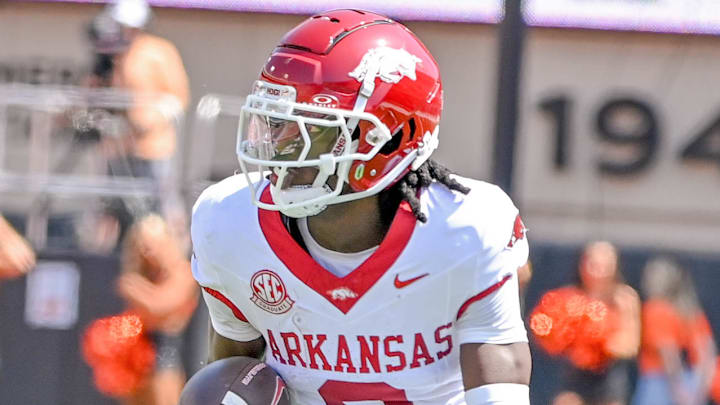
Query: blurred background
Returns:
{"type": "Point", "coordinates": [601, 118]}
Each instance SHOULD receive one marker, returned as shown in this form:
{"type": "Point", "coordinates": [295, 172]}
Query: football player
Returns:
{"type": "Point", "coordinates": [361, 269]}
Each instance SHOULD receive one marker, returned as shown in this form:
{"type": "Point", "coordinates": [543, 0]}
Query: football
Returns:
{"type": "Point", "coordinates": [235, 381]}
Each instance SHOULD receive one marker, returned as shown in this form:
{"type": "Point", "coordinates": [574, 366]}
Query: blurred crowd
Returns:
{"type": "Point", "coordinates": [603, 333]}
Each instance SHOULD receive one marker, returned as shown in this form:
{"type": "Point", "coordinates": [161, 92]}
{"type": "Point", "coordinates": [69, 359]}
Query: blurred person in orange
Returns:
{"type": "Point", "coordinates": [129, 58]}
{"type": "Point", "coordinates": [595, 326]}
{"type": "Point", "coordinates": [677, 356]}
{"type": "Point", "coordinates": [157, 285]}
{"type": "Point", "coordinates": [16, 255]}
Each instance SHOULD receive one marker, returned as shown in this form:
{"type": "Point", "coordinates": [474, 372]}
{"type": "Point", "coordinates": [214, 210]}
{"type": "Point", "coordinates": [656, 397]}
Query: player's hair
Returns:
{"type": "Point", "coordinates": [406, 189]}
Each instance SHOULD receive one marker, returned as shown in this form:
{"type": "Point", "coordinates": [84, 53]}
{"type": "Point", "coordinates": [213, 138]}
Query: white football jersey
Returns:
{"type": "Point", "coordinates": [388, 332]}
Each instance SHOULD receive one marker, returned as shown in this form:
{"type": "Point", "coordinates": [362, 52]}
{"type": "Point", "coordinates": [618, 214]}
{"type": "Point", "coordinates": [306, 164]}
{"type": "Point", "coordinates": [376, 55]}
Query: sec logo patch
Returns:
{"type": "Point", "coordinates": [269, 292]}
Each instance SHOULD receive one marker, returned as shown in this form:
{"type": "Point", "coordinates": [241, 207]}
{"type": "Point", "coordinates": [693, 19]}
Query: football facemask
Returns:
{"type": "Point", "coordinates": [278, 135]}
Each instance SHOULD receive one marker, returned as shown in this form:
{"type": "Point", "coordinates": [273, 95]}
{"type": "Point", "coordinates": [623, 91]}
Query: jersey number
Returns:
{"type": "Point", "coordinates": [339, 392]}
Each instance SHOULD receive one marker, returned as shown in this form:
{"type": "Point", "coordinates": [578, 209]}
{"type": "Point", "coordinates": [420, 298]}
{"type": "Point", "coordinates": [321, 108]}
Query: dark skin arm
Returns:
{"type": "Point", "coordinates": [484, 363]}
{"type": "Point", "coordinates": [222, 347]}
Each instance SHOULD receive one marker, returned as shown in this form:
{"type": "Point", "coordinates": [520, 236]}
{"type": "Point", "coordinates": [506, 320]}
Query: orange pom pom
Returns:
{"type": "Point", "coordinates": [119, 353]}
{"type": "Point", "coordinates": [566, 321]}
{"type": "Point", "coordinates": [541, 324]}
{"type": "Point", "coordinates": [587, 356]}
{"type": "Point", "coordinates": [553, 322]}
{"type": "Point", "coordinates": [594, 326]}
{"type": "Point", "coordinates": [115, 380]}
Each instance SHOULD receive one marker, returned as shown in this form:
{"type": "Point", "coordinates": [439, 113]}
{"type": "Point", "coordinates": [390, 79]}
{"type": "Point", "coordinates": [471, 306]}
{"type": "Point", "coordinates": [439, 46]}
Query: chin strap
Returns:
{"type": "Point", "coordinates": [286, 197]}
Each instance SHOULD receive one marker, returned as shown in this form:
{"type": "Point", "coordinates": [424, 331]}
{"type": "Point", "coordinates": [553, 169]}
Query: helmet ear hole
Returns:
{"type": "Point", "coordinates": [411, 123]}
{"type": "Point", "coordinates": [394, 143]}
{"type": "Point", "coordinates": [356, 133]}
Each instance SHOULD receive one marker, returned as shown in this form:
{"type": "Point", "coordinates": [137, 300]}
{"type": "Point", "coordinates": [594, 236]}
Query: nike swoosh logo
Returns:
{"type": "Point", "coordinates": [404, 283]}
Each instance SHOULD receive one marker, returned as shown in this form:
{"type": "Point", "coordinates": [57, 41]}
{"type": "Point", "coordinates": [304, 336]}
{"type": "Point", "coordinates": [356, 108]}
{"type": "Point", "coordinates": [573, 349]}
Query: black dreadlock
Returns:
{"type": "Point", "coordinates": [406, 189]}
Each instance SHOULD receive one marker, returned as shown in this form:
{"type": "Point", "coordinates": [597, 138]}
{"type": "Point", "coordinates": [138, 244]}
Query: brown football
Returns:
{"type": "Point", "coordinates": [235, 381]}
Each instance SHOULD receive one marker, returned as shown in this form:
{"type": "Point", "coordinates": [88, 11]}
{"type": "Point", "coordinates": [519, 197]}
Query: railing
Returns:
{"type": "Point", "coordinates": [46, 165]}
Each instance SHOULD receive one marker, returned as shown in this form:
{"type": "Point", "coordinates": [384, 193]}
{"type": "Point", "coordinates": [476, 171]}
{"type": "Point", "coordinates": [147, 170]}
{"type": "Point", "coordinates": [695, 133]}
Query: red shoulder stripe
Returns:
{"type": "Point", "coordinates": [484, 293]}
{"type": "Point", "coordinates": [235, 310]}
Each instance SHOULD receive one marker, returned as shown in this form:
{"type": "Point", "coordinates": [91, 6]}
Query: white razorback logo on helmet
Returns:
{"type": "Point", "coordinates": [389, 64]}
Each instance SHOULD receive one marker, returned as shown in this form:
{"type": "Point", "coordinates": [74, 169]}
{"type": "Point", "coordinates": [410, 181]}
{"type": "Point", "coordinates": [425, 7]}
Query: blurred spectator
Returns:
{"type": "Point", "coordinates": [157, 285]}
{"type": "Point", "coordinates": [595, 326]}
{"type": "Point", "coordinates": [129, 58]}
{"type": "Point", "coordinates": [677, 357]}
{"type": "Point", "coordinates": [16, 255]}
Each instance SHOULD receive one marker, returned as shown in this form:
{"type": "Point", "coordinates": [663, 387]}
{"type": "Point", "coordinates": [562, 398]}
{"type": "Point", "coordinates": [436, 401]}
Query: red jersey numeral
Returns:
{"type": "Point", "coordinates": [338, 392]}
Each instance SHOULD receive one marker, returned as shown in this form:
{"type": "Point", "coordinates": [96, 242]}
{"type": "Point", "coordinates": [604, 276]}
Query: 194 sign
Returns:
{"type": "Point", "coordinates": [644, 139]}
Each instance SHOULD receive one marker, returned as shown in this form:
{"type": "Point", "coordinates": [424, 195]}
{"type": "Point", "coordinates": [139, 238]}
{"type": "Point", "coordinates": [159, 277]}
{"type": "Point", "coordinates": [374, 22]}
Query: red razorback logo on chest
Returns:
{"type": "Point", "coordinates": [519, 231]}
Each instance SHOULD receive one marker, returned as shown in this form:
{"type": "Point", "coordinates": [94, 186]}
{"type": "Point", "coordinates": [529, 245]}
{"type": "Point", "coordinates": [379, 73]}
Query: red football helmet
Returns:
{"type": "Point", "coordinates": [351, 93]}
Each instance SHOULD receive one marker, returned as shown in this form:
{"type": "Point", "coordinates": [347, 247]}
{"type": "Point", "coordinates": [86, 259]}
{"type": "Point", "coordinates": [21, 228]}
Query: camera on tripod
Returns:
{"type": "Point", "coordinates": [90, 125]}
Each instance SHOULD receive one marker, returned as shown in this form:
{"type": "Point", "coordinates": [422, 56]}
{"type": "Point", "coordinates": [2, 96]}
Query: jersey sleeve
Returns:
{"type": "Point", "coordinates": [226, 318]}
{"type": "Point", "coordinates": [494, 317]}
{"type": "Point", "coordinates": [492, 312]}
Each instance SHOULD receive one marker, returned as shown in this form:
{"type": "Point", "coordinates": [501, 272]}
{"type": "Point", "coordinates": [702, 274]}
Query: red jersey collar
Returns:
{"type": "Point", "coordinates": [343, 292]}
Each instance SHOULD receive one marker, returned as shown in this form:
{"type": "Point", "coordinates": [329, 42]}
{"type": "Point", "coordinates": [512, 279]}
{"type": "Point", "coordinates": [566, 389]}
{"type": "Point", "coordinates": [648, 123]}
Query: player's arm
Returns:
{"type": "Point", "coordinates": [231, 334]}
{"type": "Point", "coordinates": [222, 347]}
{"type": "Point", "coordinates": [498, 373]}
{"type": "Point", "coordinates": [494, 353]}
